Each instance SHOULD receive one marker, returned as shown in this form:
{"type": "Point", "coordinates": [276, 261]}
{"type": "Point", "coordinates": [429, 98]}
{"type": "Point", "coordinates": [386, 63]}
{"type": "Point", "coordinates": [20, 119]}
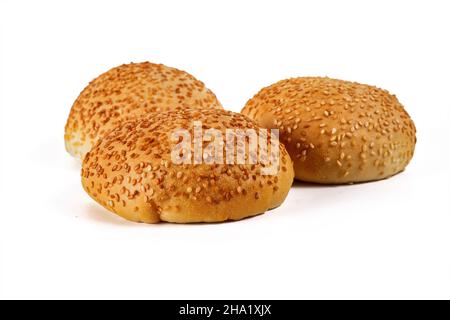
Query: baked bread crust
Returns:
{"type": "Point", "coordinates": [336, 131]}
{"type": "Point", "coordinates": [126, 91]}
{"type": "Point", "coordinates": [130, 172]}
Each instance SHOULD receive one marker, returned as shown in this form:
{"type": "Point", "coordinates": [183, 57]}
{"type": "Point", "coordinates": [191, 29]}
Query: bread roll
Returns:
{"type": "Point", "coordinates": [127, 91]}
{"type": "Point", "coordinates": [337, 131]}
{"type": "Point", "coordinates": [130, 172]}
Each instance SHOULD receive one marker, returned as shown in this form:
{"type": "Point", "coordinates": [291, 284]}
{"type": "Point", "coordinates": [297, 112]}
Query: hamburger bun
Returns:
{"type": "Point", "coordinates": [130, 172]}
{"type": "Point", "coordinates": [125, 92]}
{"type": "Point", "coordinates": [336, 131]}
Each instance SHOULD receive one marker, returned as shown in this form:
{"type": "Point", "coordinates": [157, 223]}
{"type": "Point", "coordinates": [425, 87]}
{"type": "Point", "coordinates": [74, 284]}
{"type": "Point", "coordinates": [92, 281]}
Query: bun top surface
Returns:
{"type": "Point", "coordinates": [131, 89]}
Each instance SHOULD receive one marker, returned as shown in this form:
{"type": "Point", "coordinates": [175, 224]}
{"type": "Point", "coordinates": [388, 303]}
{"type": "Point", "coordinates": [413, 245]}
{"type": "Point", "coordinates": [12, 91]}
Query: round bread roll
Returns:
{"type": "Point", "coordinates": [130, 172]}
{"type": "Point", "coordinates": [336, 131]}
{"type": "Point", "coordinates": [125, 92]}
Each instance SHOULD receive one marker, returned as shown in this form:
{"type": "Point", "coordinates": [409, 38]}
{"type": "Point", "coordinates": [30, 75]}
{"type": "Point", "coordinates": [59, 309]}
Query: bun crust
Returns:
{"type": "Point", "coordinates": [126, 91]}
{"type": "Point", "coordinates": [337, 131]}
{"type": "Point", "coordinates": [130, 172]}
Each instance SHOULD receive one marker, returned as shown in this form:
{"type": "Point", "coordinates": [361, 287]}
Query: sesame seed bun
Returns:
{"type": "Point", "coordinates": [130, 172]}
{"type": "Point", "coordinates": [337, 131]}
{"type": "Point", "coordinates": [125, 92]}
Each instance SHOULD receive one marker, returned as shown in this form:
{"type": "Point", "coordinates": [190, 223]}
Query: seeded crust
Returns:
{"type": "Point", "coordinates": [337, 131]}
{"type": "Point", "coordinates": [130, 172]}
{"type": "Point", "coordinates": [126, 91]}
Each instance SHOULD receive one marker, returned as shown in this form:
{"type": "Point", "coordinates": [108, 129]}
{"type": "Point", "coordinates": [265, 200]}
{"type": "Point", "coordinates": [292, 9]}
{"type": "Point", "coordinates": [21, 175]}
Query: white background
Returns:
{"type": "Point", "coordinates": [389, 239]}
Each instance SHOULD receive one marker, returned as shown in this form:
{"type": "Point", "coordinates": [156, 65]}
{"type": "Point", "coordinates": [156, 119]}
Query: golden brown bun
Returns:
{"type": "Point", "coordinates": [127, 91]}
{"type": "Point", "coordinates": [336, 131]}
{"type": "Point", "coordinates": [130, 172]}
